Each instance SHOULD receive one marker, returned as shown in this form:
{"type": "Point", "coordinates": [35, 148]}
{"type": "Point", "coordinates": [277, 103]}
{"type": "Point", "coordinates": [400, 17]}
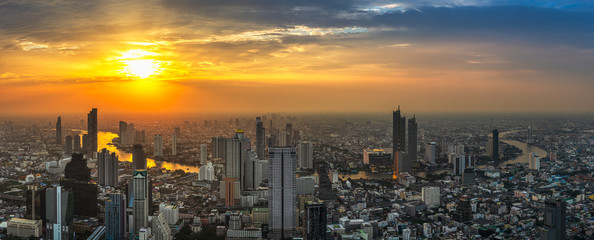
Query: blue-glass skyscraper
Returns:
{"type": "Point", "coordinates": [115, 217]}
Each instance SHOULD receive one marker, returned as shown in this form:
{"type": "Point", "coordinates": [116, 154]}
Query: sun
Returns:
{"type": "Point", "coordinates": [140, 63]}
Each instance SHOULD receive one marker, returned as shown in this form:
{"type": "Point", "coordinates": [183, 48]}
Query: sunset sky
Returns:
{"type": "Point", "coordinates": [296, 56]}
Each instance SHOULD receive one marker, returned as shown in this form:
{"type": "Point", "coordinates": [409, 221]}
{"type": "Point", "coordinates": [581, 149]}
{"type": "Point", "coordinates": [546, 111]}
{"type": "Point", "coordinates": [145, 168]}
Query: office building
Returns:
{"type": "Point", "coordinates": [305, 155]}
{"type": "Point", "coordinates": [431, 196]}
{"type": "Point", "coordinates": [68, 144]}
{"type": "Point", "coordinates": [58, 212]}
{"type": "Point", "coordinates": [289, 136]}
{"type": "Point", "coordinates": [158, 146]}
{"type": "Point", "coordinates": [430, 152]}
{"type": "Point", "coordinates": [24, 228]}
{"type": "Point", "coordinates": [229, 192]}
{"type": "Point", "coordinates": [305, 185]}
{"type": "Point", "coordinates": [378, 160]}
{"type": "Point", "coordinates": [252, 172]}
{"type": "Point", "coordinates": [495, 147]}
{"type": "Point", "coordinates": [219, 147]}
{"type": "Point", "coordinates": [77, 178]}
{"type": "Point", "coordinates": [555, 216]}
{"type": "Point", "coordinates": [107, 168]}
{"type": "Point", "coordinates": [315, 220]}
{"type": "Point", "coordinates": [459, 165]}
{"type": "Point", "coordinates": [533, 161]}
{"type": "Point", "coordinates": [92, 131]}
{"type": "Point", "coordinates": [260, 139]}
{"type": "Point", "coordinates": [398, 131]}
{"type": "Point", "coordinates": [124, 133]}
{"type": "Point", "coordinates": [160, 228]}
{"type": "Point", "coordinates": [34, 202]}
{"type": "Point", "coordinates": [173, 144]}
{"type": "Point", "coordinates": [282, 187]}
{"type": "Point", "coordinates": [76, 147]}
{"type": "Point", "coordinates": [207, 172]}
{"type": "Point", "coordinates": [138, 157]}
{"type": "Point", "coordinates": [236, 156]}
{"type": "Point", "coordinates": [412, 139]}
{"type": "Point", "coordinates": [203, 154]}
{"type": "Point", "coordinates": [59, 131]}
{"type": "Point", "coordinates": [115, 217]}
{"type": "Point", "coordinates": [141, 200]}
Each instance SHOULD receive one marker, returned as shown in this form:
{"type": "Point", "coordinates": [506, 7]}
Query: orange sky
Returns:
{"type": "Point", "coordinates": [203, 56]}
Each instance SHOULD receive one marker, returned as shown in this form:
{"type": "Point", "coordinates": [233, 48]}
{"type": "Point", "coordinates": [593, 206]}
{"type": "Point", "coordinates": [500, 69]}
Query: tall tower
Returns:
{"type": "Point", "coordinates": [305, 155]}
{"type": "Point", "coordinates": [76, 147]}
{"type": "Point", "coordinates": [203, 154]}
{"type": "Point", "coordinates": [141, 201]}
{"type": "Point", "coordinates": [282, 190]}
{"type": "Point", "coordinates": [92, 131]}
{"type": "Point", "coordinates": [115, 217]}
{"type": "Point", "coordinates": [290, 136]}
{"type": "Point", "coordinates": [253, 171]}
{"type": "Point", "coordinates": [173, 144]}
{"type": "Point", "coordinates": [495, 145]}
{"type": "Point", "coordinates": [158, 146]}
{"type": "Point", "coordinates": [219, 147]}
{"type": "Point", "coordinates": [260, 139]}
{"type": "Point", "coordinates": [123, 133]}
{"type": "Point", "coordinates": [138, 157]}
{"type": "Point", "coordinates": [236, 156]}
{"type": "Point", "coordinates": [412, 139]}
{"type": "Point", "coordinates": [399, 129]}
{"type": "Point", "coordinates": [107, 168]}
{"type": "Point", "coordinates": [68, 143]}
{"type": "Point", "coordinates": [59, 130]}
{"type": "Point", "coordinates": [315, 220]}
{"type": "Point", "coordinates": [554, 220]}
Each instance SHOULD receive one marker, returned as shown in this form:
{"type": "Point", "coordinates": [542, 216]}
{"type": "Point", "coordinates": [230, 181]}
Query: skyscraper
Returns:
{"type": "Point", "coordinates": [58, 212]}
{"type": "Point", "coordinates": [459, 165]}
{"type": "Point", "coordinates": [107, 168]}
{"type": "Point", "coordinates": [173, 144]}
{"type": "Point", "coordinates": [260, 139]}
{"type": "Point", "coordinates": [430, 152]}
{"type": "Point", "coordinates": [92, 131]}
{"type": "Point", "coordinates": [203, 154]}
{"type": "Point", "coordinates": [115, 217]}
{"type": "Point", "coordinates": [158, 146]}
{"type": "Point", "coordinates": [289, 135]}
{"type": "Point", "coordinates": [282, 191]}
{"type": "Point", "coordinates": [141, 201]}
{"type": "Point", "coordinates": [412, 139]}
{"type": "Point", "coordinates": [555, 216]}
{"type": "Point", "coordinates": [315, 220]}
{"type": "Point", "coordinates": [533, 161]}
{"type": "Point", "coordinates": [305, 155]}
{"type": "Point", "coordinates": [177, 131]}
{"type": "Point", "coordinates": [219, 147]}
{"type": "Point", "coordinates": [68, 144]}
{"type": "Point", "coordinates": [33, 198]}
{"type": "Point", "coordinates": [76, 143]}
{"type": "Point", "coordinates": [160, 228]}
{"type": "Point", "coordinates": [495, 145]}
{"type": "Point", "coordinates": [59, 130]}
{"type": "Point", "coordinates": [398, 131]}
{"type": "Point", "coordinates": [77, 177]}
{"type": "Point", "coordinates": [138, 157]}
{"type": "Point", "coordinates": [123, 133]}
{"type": "Point", "coordinates": [253, 171]}
{"type": "Point", "coordinates": [236, 156]}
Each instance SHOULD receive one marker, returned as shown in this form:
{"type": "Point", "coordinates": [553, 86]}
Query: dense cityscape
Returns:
{"type": "Point", "coordinates": [397, 175]}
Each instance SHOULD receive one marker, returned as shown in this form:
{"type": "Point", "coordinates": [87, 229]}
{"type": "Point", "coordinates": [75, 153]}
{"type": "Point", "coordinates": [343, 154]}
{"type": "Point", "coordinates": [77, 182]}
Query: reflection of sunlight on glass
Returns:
{"type": "Point", "coordinates": [104, 138]}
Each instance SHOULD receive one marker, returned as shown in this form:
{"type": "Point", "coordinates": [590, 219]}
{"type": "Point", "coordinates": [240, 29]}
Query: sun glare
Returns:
{"type": "Point", "coordinates": [140, 63]}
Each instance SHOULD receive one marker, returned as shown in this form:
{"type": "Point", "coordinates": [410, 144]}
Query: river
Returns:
{"type": "Point", "coordinates": [526, 149]}
{"type": "Point", "coordinates": [104, 138]}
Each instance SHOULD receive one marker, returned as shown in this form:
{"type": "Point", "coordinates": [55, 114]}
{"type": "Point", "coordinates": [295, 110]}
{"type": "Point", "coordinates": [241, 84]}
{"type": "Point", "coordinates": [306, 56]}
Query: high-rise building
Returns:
{"type": "Point", "coordinates": [253, 171]}
{"type": "Point", "coordinates": [282, 191]}
{"type": "Point", "coordinates": [59, 130]}
{"type": "Point", "coordinates": [468, 177]}
{"type": "Point", "coordinates": [92, 131]}
{"type": "Point", "coordinates": [260, 139]}
{"type": "Point", "coordinates": [77, 178]}
{"type": "Point", "coordinates": [58, 212]}
{"type": "Point", "coordinates": [459, 165]}
{"type": "Point", "coordinates": [555, 216]}
{"type": "Point", "coordinates": [379, 160]}
{"type": "Point", "coordinates": [170, 213]}
{"type": "Point", "coordinates": [76, 147]}
{"type": "Point", "coordinates": [431, 196]}
{"type": "Point", "coordinates": [158, 146]}
{"type": "Point", "coordinates": [141, 201]}
{"type": "Point", "coordinates": [138, 157]}
{"type": "Point", "coordinates": [495, 145]}
{"type": "Point", "coordinates": [315, 220]}
{"type": "Point", "coordinates": [289, 137]}
{"type": "Point", "coordinates": [463, 211]}
{"type": "Point", "coordinates": [533, 161]}
{"type": "Point", "coordinates": [230, 191]}
{"type": "Point", "coordinates": [160, 228]}
{"type": "Point", "coordinates": [68, 144]}
{"type": "Point", "coordinates": [123, 133]}
{"type": "Point", "coordinates": [173, 144]}
{"type": "Point", "coordinates": [107, 168]}
{"type": "Point", "coordinates": [430, 152]}
{"type": "Point", "coordinates": [85, 143]}
{"type": "Point", "coordinates": [207, 172]}
{"type": "Point", "coordinates": [203, 154]}
{"type": "Point", "coordinates": [529, 134]}
{"type": "Point", "coordinates": [177, 131]}
{"type": "Point", "coordinates": [412, 139]}
{"type": "Point", "coordinates": [236, 156]}
{"type": "Point", "coordinates": [219, 147]}
{"type": "Point", "coordinates": [305, 155]}
{"type": "Point", "coordinates": [34, 202]}
{"type": "Point", "coordinates": [398, 131]}
{"type": "Point", "coordinates": [115, 217]}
